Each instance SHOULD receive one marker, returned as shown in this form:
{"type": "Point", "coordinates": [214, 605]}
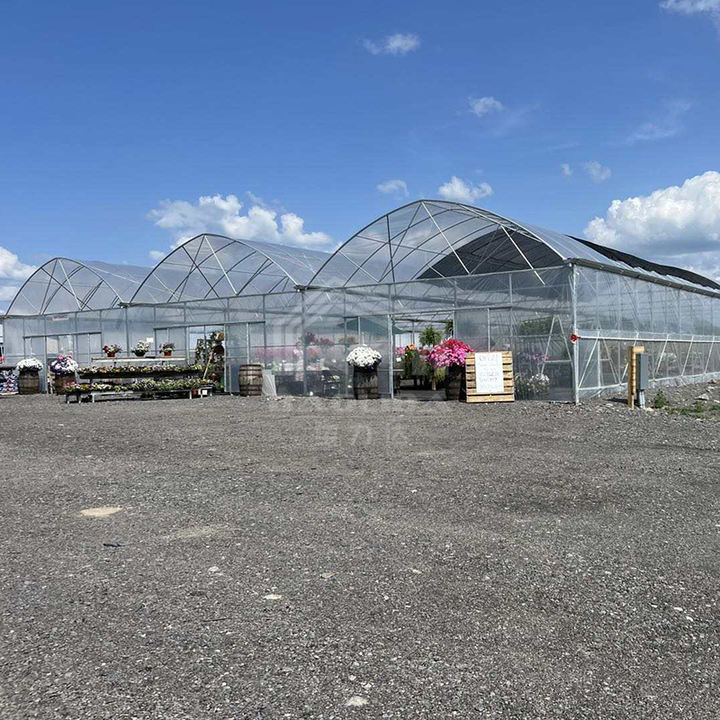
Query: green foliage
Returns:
{"type": "Point", "coordinates": [430, 336]}
{"type": "Point", "coordinates": [536, 326]}
{"type": "Point", "coordinates": [167, 385]}
{"type": "Point", "coordinates": [449, 328]}
{"type": "Point", "coordinates": [660, 400]}
{"type": "Point", "coordinates": [699, 409]}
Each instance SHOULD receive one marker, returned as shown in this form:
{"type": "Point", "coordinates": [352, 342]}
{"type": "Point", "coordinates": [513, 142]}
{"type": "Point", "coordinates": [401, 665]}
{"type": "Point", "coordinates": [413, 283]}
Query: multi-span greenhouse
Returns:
{"type": "Point", "coordinates": [567, 308]}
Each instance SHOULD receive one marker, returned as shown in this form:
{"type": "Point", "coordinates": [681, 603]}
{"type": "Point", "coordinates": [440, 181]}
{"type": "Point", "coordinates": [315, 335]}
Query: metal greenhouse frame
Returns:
{"type": "Point", "coordinates": [567, 308]}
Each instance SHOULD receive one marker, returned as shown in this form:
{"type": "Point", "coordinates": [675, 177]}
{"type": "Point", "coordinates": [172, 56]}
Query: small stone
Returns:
{"type": "Point", "coordinates": [704, 397]}
{"type": "Point", "coordinates": [100, 511]}
{"type": "Point", "coordinates": [272, 596]}
{"type": "Point", "coordinates": [356, 701]}
{"type": "Point", "coordinates": [213, 569]}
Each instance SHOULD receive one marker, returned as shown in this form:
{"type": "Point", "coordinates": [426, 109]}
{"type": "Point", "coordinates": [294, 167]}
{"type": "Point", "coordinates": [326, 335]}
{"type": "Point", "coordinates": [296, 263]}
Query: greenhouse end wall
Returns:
{"type": "Point", "coordinates": [679, 329]}
{"type": "Point", "coordinates": [300, 335]}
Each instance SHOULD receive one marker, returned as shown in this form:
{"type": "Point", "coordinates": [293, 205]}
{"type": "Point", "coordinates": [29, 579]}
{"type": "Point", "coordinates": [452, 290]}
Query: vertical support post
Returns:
{"type": "Point", "coordinates": [391, 344]}
{"type": "Point", "coordinates": [127, 329]}
{"type": "Point", "coordinates": [632, 389]}
{"type": "Point", "coordinates": [575, 347]}
{"type": "Point", "coordinates": [302, 341]}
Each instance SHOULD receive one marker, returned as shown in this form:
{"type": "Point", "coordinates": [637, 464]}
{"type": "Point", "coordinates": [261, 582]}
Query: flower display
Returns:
{"type": "Point", "coordinates": [363, 356]}
{"type": "Point", "coordinates": [166, 385]}
{"type": "Point", "coordinates": [140, 347]}
{"type": "Point", "coordinates": [449, 353]}
{"type": "Point", "coordinates": [155, 369]}
{"type": "Point", "coordinates": [528, 386]}
{"type": "Point", "coordinates": [167, 346]}
{"type": "Point", "coordinates": [110, 350]}
{"type": "Point", "coordinates": [29, 365]}
{"type": "Point", "coordinates": [63, 365]}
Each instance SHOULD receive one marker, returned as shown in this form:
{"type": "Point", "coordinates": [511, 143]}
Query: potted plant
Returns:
{"type": "Point", "coordinates": [64, 369]}
{"type": "Point", "coordinates": [531, 387]}
{"type": "Point", "coordinates": [364, 361]}
{"type": "Point", "coordinates": [29, 376]}
{"type": "Point", "coordinates": [451, 355]}
{"type": "Point", "coordinates": [111, 350]}
{"type": "Point", "coordinates": [140, 348]}
{"type": "Point", "coordinates": [167, 348]}
{"type": "Point", "coordinates": [430, 336]}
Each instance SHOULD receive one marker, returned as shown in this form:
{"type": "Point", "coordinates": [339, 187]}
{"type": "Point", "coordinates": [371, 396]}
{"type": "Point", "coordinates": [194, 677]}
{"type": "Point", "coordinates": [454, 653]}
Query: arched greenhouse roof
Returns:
{"type": "Point", "coordinates": [429, 239]}
{"type": "Point", "coordinates": [424, 240]}
{"type": "Point", "coordinates": [63, 285]}
{"type": "Point", "coordinates": [215, 266]}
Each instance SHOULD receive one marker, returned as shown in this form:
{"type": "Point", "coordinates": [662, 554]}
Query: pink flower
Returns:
{"type": "Point", "coordinates": [450, 352]}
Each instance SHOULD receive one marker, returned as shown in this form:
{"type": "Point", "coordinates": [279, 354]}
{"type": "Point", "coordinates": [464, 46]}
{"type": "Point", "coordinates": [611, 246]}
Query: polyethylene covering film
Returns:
{"type": "Point", "coordinates": [679, 330]}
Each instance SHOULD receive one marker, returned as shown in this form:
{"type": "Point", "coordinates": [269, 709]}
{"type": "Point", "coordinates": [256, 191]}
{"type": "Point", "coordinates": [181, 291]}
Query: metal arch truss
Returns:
{"type": "Point", "coordinates": [50, 288]}
{"type": "Point", "coordinates": [215, 266]}
{"type": "Point", "coordinates": [376, 253]}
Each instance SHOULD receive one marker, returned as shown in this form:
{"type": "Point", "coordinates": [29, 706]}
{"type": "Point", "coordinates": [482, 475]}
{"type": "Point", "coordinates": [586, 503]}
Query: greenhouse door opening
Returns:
{"type": "Point", "coordinates": [244, 343]}
{"type": "Point", "coordinates": [413, 335]}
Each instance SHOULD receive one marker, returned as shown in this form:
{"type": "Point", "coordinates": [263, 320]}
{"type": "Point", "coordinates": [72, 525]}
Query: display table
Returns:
{"type": "Point", "coordinates": [92, 396]}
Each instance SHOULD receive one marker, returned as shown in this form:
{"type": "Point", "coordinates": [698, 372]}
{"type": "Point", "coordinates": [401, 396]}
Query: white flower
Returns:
{"type": "Point", "coordinates": [363, 357]}
{"type": "Point", "coordinates": [29, 364]}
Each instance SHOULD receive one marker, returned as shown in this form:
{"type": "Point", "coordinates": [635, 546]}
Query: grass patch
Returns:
{"type": "Point", "coordinates": [699, 409]}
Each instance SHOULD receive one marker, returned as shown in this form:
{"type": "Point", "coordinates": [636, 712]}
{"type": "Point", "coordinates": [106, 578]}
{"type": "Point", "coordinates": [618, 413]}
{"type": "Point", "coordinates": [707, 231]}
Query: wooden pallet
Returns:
{"type": "Point", "coordinates": [472, 394]}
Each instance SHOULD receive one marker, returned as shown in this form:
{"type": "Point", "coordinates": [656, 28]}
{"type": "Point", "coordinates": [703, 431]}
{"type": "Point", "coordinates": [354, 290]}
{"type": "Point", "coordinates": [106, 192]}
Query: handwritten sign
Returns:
{"type": "Point", "coordinates": [489, 377]}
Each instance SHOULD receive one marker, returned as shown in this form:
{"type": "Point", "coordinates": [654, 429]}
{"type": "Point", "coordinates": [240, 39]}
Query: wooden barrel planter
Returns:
{"type": "Point", "coordinates": [28, 383]}
{"type": "Point", "coordinates": [63, 383]}
{"type": "Point", "coordinates": [250, 380]}
{"type": "Point", "coordinates": [365, 383]}
{"type": "Point", "coordinates": [454, 382]}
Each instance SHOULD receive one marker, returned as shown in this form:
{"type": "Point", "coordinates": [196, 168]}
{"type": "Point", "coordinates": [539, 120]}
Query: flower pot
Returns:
{"type": "Point", "coordinates": [29, 382]}
{"type": "Point", "coordinates": [63, 383]}
{"type": "Point", "coordinates": [365, 383]}
{"type": "Point", "coordinates": [167, 353]}
{"type": "Point", "coordinates": [139, 353]}
{"type": "Point", "coordinates": [111, 354]}
{"type": "Point", "coordinates": [454, 382]}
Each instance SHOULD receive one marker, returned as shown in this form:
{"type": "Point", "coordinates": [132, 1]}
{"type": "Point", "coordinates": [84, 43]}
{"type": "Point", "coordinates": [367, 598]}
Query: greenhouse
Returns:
{"type": "Point", "coordinates": [567, 309]}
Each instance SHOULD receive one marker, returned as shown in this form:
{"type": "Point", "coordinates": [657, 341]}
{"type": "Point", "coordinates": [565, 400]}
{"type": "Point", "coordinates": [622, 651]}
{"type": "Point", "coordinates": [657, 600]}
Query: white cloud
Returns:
{"type": "Point", "coordinates": [156, 255]}
{"type": "Point", "coordinates": [397, 44]}
{"type": "Point", "coordinates": [679, 225]}
{"type": "Point", "coordinates": [11, 267]}
{"type": "Point", "coordinates": [223, 215]}
{"type": "Point", "coordinates": [692, 7]}
{"type": "Point", "coordinates": [711, 8]}
{"type": "Point", "coordinates": [485, 105]}
{"type": "Point", "coordinates": [460, 191]}
{"type": "Point", "coordinates": [596, 171]}
{"type": "Point", "coordinates": [7, 292]}
{"type": "Point", "coordinates": [667, 125]}
{"type": "Point", "coordinates": [393, 186]}
{"type": "Point", "coordinates": [566, 170]}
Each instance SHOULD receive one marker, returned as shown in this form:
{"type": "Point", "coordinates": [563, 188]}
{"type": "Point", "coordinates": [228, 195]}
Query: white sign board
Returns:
{"type": "Point", "coordinates": [489, 373]}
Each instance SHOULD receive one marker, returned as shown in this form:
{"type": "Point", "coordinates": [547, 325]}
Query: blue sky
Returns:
{"type": "Point", "coordinates": [119, 116]}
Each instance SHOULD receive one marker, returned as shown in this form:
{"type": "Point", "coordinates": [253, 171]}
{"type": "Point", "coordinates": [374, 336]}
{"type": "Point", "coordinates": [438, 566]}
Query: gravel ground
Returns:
{"type": "Point", "coordinates": [331, 559]}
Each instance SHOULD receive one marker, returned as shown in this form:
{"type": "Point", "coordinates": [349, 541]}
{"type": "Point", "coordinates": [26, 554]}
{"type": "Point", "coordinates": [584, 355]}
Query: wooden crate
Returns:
{"type": "Point", "coordinates": [508, 394]}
